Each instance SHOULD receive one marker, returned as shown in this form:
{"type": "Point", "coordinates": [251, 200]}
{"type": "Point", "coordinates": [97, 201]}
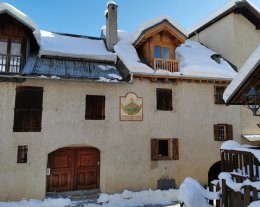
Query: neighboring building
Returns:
{"type": "Point", "coordinates": [233, 31]}
{"type": "Point", "coordinates": [116, 112]}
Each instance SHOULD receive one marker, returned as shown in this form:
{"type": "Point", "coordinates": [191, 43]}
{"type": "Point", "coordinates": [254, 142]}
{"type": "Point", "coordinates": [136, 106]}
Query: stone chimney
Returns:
{"type": "Point", "coordinates": [111, 25]}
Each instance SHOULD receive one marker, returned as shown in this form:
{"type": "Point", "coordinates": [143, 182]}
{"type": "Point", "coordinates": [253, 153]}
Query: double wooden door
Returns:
{"type": "Point", "coordinates": [73, 169]}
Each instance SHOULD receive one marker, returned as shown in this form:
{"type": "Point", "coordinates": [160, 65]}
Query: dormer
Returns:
{"type": "Point", "coordinates": [18, 38]}
{"type": "Point", "coordinates": [156, 42]}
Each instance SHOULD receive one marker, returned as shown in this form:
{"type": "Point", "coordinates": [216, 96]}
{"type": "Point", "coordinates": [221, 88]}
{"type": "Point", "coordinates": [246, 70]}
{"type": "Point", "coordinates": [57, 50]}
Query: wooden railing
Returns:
{"type": "Point", "coordinates": [170, 65]}
{"type": "Point", "coordinates": [10, 63]}
{"type": "Point", "coordinates": [244, 163]}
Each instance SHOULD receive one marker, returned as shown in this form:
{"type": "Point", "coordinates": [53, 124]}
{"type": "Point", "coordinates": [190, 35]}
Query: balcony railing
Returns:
{"type": "Point", "coordinates": [169, 65]}
{"type": "Point", "coordinates": [10, 63]}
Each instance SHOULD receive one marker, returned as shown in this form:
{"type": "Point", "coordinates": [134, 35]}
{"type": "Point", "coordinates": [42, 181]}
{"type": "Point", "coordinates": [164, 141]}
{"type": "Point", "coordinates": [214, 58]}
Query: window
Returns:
{"type": "Point", "coordinates": [223, 132]}
{"type": "Point", "coordinates": [164, 149]}
{"type": "Point", "coordinates": [28, 109]}
{"type": "Point", "coordinates": [161, 52]}
{"type": "Point", "coordinates": [22, 154]}
{"type": "Point", "coordinates": [164, 99]}
{"type": "Point", "coordinates": [10, 55]}
{"type": "Point", "coordinates": [95, 107]}
{"type": "Point", "coordinates": [219, 90]}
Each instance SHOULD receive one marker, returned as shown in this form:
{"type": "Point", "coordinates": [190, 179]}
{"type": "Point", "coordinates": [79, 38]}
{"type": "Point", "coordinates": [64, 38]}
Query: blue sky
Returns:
{"type": "Point", "coordinates": [86, 17]}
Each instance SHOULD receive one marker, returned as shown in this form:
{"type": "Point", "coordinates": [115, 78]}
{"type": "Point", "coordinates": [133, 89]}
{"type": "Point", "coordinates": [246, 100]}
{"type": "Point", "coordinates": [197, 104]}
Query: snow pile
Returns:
{"type": "Point", "coordinates": [233, 145]}
{"type": "Point", "coordinates": [195, 60]}
{"type": "Point", "coordinates": [237, 186]}
{"type": "Point", "coordinates": [246, 70]}
{"type": "Point", "coordinates": [255, 204]}
{"type": "Point", "coordinates": [194, 195]}
{"type": "Point", "coordinates": [37, 203]}
{"type": "Point", "coordinates": [23, 18]}
{"type": "Point", "coordinates": [127, 53]}
{"type": "Point", "coordinates": [152, 22]}
{"type": "Point", "coordinates": [146, 197]}
{"type": "Point", "coordinates": [53, 44]}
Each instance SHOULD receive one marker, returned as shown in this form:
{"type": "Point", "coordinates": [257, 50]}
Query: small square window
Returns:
{"type": "Point", "coordinates": [95, 107]}
{"type": "Point", "coordinates": [164, 99]}
{"type": "Point", "coordinates": [223, 132]}
{"type": "Point", "coordinates": [164, 149]}
{"type": "Point", "coordinates": [219, 91]}
{"type": "Point", "coordinates": [22, 154]}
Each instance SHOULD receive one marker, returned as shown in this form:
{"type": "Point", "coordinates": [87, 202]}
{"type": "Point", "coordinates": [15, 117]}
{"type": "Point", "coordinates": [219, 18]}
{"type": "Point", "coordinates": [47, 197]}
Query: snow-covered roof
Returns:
{"type": "Point", "coordinates": [228, 6]}
{"type": "Point", "coordinates": [244, 73]}
{"type": "Point", "coordinates": [150, 23]}
{"type": "Point", "coordinates": [195, 60]}
{"type": "Point", "coordinates": [53, 44]}
{"type": "Point", "coordinates": [21, 17]}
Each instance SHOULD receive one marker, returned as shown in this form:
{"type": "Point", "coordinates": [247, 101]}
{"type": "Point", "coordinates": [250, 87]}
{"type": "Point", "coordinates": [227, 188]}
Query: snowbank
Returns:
{"type": "Point", "coordinates": [146, 197]}
{"type": "Point", "coordinates": [255, 204]}
{"type": "Point", "coordinates": [194, 195]}
{"type": "Point", "coordinates": [37, 203]}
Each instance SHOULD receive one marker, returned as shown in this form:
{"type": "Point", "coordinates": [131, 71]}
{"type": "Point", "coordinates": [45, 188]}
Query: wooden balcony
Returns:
{"type": "Point", "coordinates": [169, 65]}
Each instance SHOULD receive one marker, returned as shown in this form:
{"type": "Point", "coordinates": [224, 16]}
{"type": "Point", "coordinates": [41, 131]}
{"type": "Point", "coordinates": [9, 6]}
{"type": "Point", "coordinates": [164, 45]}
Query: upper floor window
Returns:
{"type": "Point", "coordinates": [95, 107]}
{"type": "Point", "coordinates": [10, 55]}
{"type": "Point", "coordinates": [28, 109]}
{"type": "Point", "coordinates": [164, 99]}
{"type": "Point", "coordinates": [223, 132]}
{"type": "Point", "coordinates": [219, 90]}
{"type": "Point", "coordinates": [161, 52]}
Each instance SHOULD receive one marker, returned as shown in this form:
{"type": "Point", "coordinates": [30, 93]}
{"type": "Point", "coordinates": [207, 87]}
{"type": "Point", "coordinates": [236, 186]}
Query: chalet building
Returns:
{"type": "Point", "coordinates": [120, 111]}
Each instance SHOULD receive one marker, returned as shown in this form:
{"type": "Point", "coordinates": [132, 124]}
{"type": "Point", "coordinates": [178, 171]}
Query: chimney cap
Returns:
{"type": "Point", "coordinates": [111, 3]}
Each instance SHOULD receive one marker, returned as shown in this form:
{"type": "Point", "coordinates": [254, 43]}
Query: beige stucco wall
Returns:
{"type": "Point", "coordinates": [124, 146]}
{"type": "Point", "coordinates": [234, 37]}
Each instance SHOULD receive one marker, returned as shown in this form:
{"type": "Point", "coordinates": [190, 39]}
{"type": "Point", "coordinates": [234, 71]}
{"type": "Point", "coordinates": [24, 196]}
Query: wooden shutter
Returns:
{"type": "Point", "coordinates": [229, 132]}
{"type": "Point", "coordinates": [164, 99]}
{"type": "Point", "coordinates": [175, 149]}
{"type": "Point", "coordinates": [28, 109]}
{"type": "Point", "coordinates": [216, 132]}
{"type": "Point", "coordinates": [95, 107]}
{"type": "Point", "coordinates": [154, 149]}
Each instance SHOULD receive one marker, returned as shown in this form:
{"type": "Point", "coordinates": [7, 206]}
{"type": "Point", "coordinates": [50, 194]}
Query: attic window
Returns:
{"type": "Point", "coordinates": [10, 55]}
{"type": "Point", "coordinates": [216, 57]}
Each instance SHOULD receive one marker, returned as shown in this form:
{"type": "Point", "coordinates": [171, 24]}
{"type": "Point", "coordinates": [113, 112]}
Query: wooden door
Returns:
{"type": "Point", "coordinates": [73, 169]}
{"type": "Point", "coordinates": [87, 169]}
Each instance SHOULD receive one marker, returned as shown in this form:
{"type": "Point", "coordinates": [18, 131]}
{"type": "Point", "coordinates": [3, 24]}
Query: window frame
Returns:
{"type": "Point", "coordinates": [164, 99]}
{"type": "Point", "coordinates": [218, 94]}
{"type": "Point", "coordinates": [100, 113]}
{"type": "Point", "coordinates": [9, 58]}
{"type": "Point", "coordinates": [22, 154]}
{"type": "Point", "coordinates": [161, 47]}
{"type": "Point", "coordinates": [227, 133]}
{"type": "Point", "coordinates": [173, 149]}
{"type": "Point", "coordinates": [22, 110]}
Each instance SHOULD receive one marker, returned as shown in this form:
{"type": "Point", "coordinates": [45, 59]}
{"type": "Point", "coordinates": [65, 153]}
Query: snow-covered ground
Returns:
{"type": "Point", "coordinates": [190, 192]}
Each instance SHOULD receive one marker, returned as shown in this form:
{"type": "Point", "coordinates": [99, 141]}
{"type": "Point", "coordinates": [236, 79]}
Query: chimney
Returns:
{"type": "Point", "coordinates": [111, 25]}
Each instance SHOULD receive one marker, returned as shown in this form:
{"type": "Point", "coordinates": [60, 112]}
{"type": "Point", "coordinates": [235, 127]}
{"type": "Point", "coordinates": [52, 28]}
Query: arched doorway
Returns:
{"type": "Point", "coordinates": [73, 169]}
{"type": "Point", "coordinates": [214, 172]}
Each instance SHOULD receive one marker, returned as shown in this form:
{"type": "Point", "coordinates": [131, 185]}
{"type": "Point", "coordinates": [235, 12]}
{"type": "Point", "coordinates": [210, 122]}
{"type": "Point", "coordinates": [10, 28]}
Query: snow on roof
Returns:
{"type": "Point", "coordinates": [21, 17]}
{"type": "Point", "coordinates": [246, 70]}
{"type": "Point", "coordinates": [53, 44]}
{"type": "Point", "coordinates": [217, 13]}
{"type": "Point", "coordinates": [111, 2]}
{"type": "Point", "coordinates": [153, 22]}
{"type": "Point", "coordinates": [233, 145]}
{"type": "Point", "coordinates": [195, 60]}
